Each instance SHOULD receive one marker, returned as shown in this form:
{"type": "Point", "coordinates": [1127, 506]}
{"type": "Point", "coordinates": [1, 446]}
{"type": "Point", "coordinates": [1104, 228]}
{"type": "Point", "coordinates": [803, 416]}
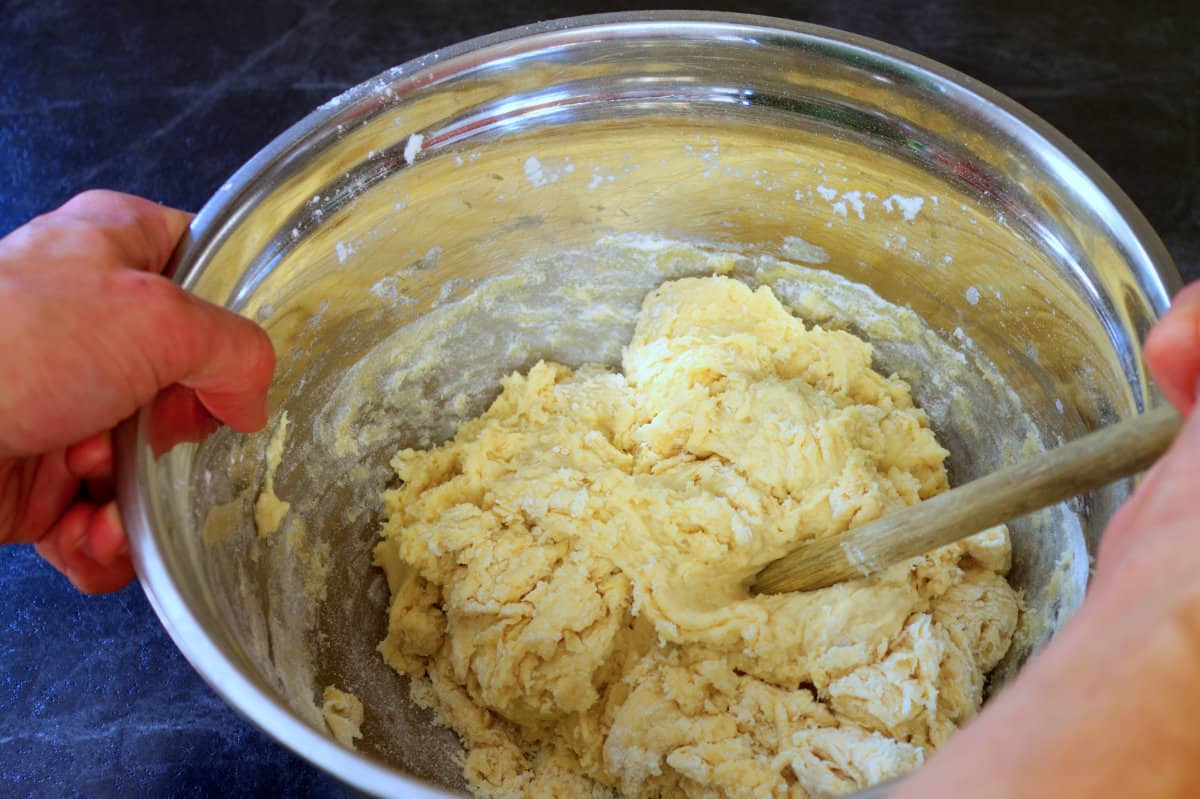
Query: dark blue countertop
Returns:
{"type": "Point", "coordinates": [167, 101]}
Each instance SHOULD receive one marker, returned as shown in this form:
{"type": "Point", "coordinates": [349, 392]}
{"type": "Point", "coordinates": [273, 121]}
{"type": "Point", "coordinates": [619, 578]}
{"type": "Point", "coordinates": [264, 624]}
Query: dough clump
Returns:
{"type": "Point", "coordinates": [568, 573]}
{"type": "Point", "coordinates": [269, 509]}
{"type": "Point", "coordinates": [343, 714]}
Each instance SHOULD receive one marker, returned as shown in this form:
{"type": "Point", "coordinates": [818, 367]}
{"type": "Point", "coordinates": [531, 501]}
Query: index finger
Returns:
{"type": "Point", "coordinates": [182, 339]}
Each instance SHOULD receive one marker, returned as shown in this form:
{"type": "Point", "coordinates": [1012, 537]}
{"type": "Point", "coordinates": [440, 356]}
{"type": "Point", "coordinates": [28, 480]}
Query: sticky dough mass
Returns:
{"type": "Point", "coordinates": [568, 572]}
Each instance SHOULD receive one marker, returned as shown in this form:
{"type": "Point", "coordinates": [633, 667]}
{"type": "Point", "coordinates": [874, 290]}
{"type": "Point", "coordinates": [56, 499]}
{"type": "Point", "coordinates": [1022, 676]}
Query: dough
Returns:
{"type": "Point", "coordinates": [269, 509]}
{"type": "Point", "coordinates": [343, 715]}
{"type": "Point", "coordinates": [568, 573]}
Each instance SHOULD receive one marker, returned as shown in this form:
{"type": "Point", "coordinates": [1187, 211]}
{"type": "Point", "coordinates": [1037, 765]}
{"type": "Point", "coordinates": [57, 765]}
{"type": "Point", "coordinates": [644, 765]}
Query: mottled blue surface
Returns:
{"type": "Point", "coordinates": [96, 701]}
{"type": "Point", "coordinates": [166, 100]}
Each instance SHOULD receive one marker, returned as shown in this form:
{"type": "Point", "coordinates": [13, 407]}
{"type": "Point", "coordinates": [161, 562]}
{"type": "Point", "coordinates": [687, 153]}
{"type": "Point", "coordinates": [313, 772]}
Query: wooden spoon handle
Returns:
{"type": "Point", "coordinates": [1085, 464]}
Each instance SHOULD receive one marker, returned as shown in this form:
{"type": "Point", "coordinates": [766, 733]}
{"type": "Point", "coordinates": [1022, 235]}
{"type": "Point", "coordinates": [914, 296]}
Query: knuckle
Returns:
{"type": "Point", "coordinates": [63, 236]}
{"type": "Point", "coordinates": [133, 234]}
{"type": "Point", "coordinates": [91, 198]}
{"type": "Point", "coordinates": [105, 209]}
{"type": "Point", "coordinates": [157, 295]}
{"type": "Point", "coordinates": [101, 228]}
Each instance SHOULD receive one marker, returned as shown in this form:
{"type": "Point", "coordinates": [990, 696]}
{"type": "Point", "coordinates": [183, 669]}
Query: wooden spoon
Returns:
{"type": "Point", "coordinates": [1088, 463]}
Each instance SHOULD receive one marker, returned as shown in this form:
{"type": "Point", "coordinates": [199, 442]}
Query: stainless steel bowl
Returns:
{"type": "Point", "coordinates": [500, 168]}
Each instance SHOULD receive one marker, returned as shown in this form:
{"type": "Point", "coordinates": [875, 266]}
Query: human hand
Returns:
{"type": "Point", "coordinates": [90, 332]}
{"type": "Point", "coordinates": [1109, 708]}
{"type": "Point", "coordinates": [1165, 500]}
{"type": "Point", "coordinates": [1173, 350]}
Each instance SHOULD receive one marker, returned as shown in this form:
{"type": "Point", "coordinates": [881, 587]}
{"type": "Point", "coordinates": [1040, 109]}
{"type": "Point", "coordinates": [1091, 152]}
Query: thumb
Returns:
{"type": "Point", "coordinates": [226, 359]}
{"type": "Point", "coordinates": [1161, 512]}
{"type": "Point", "coordinates": [1173, 350]}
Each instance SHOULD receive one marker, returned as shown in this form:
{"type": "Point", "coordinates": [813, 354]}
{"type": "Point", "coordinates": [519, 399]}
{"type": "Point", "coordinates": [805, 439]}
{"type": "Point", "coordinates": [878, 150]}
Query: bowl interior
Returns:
{"type": "Point", "coordinates": [455, 220]}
